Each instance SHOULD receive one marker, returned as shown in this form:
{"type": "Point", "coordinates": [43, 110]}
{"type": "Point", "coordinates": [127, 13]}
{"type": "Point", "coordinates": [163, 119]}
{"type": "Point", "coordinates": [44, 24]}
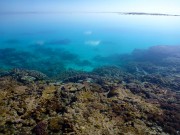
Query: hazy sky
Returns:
{"type": "Point", "coordinates": [155, 6]}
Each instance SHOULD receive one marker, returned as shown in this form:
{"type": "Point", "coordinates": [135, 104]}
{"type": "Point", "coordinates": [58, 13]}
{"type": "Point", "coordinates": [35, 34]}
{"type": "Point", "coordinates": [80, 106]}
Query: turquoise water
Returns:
{"type": "Point", "coordinates": [55, 42]}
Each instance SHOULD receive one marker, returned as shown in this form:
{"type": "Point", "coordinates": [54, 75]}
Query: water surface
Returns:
{"type": "Point", "coordinates": [77, 40]}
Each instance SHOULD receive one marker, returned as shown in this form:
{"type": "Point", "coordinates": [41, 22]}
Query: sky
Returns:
{"type": "Point", "coordinates": [150, 6]}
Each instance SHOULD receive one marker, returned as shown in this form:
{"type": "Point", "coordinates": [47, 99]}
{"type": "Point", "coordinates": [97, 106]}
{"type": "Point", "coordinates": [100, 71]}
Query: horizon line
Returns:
{"type": "Point", "coordinates": [87, 12]}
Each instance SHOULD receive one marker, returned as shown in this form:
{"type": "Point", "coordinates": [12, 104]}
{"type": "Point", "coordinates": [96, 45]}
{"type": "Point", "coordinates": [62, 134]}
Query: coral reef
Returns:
{"type": "Point", "coordinates": [139, 98]}
{"type": "Point", "coordinates": [87, 108]}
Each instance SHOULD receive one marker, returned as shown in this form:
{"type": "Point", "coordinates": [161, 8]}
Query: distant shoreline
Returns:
{"type": "Point", "coordinates": [120, 13]}
{"type": "Point", "coordinates": [142, 13]}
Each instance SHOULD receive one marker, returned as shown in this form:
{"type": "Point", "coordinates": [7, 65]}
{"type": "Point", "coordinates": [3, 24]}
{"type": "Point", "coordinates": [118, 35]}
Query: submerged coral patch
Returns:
{"type": "Point", "coordinates": [137, 97]}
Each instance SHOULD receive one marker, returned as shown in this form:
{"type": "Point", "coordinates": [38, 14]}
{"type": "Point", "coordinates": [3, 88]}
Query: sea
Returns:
{"type": "Point", "coordinates": [53, 42]}
{"type": "Point", "coordinates": [89, 73]}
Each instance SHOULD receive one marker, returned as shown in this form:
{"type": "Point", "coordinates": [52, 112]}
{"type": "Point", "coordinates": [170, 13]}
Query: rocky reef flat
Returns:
{"type": "Point", "coordinates": [140, 97]}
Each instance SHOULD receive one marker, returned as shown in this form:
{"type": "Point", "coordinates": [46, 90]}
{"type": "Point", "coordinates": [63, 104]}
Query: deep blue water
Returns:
{"type": "Point", "coordinates": [54, 41]}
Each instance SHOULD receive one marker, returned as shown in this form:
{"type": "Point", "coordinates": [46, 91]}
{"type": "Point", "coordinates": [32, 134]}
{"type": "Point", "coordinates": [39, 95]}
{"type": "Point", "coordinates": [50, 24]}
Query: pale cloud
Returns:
{"type": "Point", "coordinates": [93, 42]}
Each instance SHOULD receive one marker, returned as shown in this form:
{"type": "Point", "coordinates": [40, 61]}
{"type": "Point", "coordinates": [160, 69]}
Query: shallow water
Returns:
{"type": "Point", "coordinates": [78, 40]}
{"type": "Point", "coordinates": [131, 87]}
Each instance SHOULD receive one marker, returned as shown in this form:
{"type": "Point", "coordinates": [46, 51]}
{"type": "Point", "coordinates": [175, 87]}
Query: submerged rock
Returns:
{"type": "Point", "coordinates": [27, 75]}
{"type": "Point", "coordinates": [27, 78]}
